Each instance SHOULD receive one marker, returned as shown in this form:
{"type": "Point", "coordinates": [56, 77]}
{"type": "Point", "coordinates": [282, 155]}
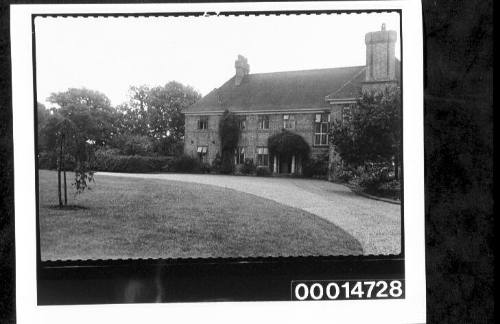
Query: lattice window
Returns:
{"type": "Point", "coordinates": [288, 121]}
{"type": "Point", "coordinates": [203, 123]}
{"type": "Point", "coordinates": [239, 155]}
{"type": "Point", "coordinates": [262, 156]}
{"type": "Point", "coordinates": [263, 122]}
{"type": "Point", "coordinates": [202, 153]}
{"type": "Point", "coordinates": [321, 128]}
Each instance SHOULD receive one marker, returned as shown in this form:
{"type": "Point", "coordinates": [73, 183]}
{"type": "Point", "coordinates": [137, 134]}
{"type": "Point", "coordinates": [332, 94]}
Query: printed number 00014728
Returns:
{"type": "Point", "coordinates": [347, 289]}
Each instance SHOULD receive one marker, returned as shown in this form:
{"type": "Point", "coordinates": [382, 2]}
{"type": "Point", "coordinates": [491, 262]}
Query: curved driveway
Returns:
{"type": "Point", "coordinates": [375, 224]}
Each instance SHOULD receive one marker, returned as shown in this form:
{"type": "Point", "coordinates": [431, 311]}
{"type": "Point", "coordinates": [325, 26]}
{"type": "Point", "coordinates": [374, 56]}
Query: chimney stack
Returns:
{"type": "Point", "coordinates": [242, 69]}
{"type": "Point", "coordinates": [380, 55]}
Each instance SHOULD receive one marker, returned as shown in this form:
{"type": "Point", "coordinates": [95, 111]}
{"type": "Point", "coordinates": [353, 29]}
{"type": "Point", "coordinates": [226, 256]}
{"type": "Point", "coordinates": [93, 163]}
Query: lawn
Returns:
{"type": "Point", "coordinates": [144, 218]}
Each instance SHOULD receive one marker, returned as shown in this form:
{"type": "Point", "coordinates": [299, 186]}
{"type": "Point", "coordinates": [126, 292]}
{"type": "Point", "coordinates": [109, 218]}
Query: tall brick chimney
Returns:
{"type": "Point", "coordinates": [242, 69]}
{"type": "Point", "coordinates": [380, 55]}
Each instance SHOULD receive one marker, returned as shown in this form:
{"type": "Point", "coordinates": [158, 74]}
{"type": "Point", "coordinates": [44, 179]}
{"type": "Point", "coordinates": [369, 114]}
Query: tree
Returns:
{"type": "Point", "coordinates": [89, 110]}
{"type": "Point", "coordinates": [165, 105]}
{"type": "Point", "coordinates": [132, 116]}
{"type": "Point", "coordinates": [373, 131]}
{"type": "Point", "coordinates": [157, 112]}
{"type": "Point", "coordinates": [61, 136]}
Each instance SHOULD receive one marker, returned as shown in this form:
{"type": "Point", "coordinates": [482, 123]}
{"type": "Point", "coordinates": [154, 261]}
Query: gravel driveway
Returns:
{"type": "Point", "coordinates": [375, 224]}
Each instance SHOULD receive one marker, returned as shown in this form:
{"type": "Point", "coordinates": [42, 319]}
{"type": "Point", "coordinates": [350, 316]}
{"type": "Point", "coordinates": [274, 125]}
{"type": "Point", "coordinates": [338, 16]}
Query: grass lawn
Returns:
{"type": "Point", "coordinates": [137, 218]}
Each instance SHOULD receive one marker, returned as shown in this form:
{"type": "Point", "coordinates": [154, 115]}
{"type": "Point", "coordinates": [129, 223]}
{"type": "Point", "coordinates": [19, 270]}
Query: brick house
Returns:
{"type": "Point", "coordinates": [303, 102]}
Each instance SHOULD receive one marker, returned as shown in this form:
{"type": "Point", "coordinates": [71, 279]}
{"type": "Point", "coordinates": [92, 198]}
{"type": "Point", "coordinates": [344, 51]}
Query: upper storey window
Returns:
{"type": "Point", "coordinates": [288, 121]}
{"type": "Point", "coordinates": [242, 122]}
{"type": "Point", "coordinates": [203, 123]}
{"type": "Point", "coordinates": [347, 113]}
{"type": "Point", "coordinates": [321, 126]}
{"type": "Point", "coordinates": [263, 122]}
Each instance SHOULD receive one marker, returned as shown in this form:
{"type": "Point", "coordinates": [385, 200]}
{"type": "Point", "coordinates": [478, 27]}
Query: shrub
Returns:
{"type": "Point", "coordinates": [391, 186]}
{"type": "Point", "coordinates": [185, 163]}
{"type": "Point", "coordinates": [217, 163]}
{"type": "Point", "coordinates": [168, 146]}
{"type": "Point", "coordinates": [316, 167]}
{"type": "Point", "coordinates": [248, 166]}
{"type": "Point", "coordinates": [133, 144]}
{"type": "Point", "coordinates": [263, 171]}
{"type": "Point", "coordinates": [129, 163]}
{"type": "Point", "coordinates": [205, 167]}
{"type": "Point", "coordinates": [109, 151]}
{"type": "Point", "coordinates": [48, 161]}
{"type": "Point", "coordinates": [238, 169]}
{"type": "Point", "coordinates": [345, 175]}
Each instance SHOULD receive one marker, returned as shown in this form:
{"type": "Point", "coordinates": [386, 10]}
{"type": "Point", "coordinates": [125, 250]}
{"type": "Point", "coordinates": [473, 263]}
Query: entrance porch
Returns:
{"type": "Point", "coordinates": [287, 165]}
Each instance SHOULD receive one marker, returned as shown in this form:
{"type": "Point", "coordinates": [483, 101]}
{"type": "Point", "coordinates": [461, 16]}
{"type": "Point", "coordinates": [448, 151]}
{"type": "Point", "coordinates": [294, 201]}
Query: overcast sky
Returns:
{"type": "Point", "coordinates": [111, 54]}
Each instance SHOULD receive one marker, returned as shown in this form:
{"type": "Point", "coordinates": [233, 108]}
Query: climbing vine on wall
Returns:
{"type": "Point", "coordinates": [229, 132]}
{"type": "Point", "coordinates": [285, 144]}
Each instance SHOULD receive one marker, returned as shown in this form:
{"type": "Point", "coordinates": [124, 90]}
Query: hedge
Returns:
{"type": "Point", "coordinates": [130, 163]}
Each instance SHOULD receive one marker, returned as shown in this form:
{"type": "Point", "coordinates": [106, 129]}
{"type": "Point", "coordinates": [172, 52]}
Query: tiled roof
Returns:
{"type": "Point", "coordinates": [352, 88]}
{"type": "Point", "coordinates": [278, 90]}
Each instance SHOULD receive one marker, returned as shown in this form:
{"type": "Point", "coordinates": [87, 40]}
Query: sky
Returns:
{"type": "Point", "coordinates": [112, 54]}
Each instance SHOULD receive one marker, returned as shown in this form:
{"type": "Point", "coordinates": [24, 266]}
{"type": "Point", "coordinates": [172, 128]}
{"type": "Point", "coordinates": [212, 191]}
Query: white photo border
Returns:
{"type": "Point", "coordinates": [411, 309]}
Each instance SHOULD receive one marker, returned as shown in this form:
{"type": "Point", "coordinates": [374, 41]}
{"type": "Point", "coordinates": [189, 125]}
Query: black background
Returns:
{"type": "Point", "coordinates": [458, 153]}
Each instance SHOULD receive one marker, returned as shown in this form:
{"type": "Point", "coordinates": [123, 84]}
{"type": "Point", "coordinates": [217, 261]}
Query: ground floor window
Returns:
{"type": "Point", "coordinates": [239, 157]}
{"type": "Point", "coordinates": [262, 156]}
{"type": "Point", "coordinates": [202, 153]}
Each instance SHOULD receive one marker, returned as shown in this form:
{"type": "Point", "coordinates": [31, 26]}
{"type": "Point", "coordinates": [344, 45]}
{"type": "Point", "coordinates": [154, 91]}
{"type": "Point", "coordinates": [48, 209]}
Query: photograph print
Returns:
{"type": "Point", "coordinates": [212, 136]}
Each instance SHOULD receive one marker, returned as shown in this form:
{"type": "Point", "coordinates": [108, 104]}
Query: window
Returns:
{"type": "Point", "coordinates": [202, 153]}
{"type": "Point", "coordinates": [288, 121]}
{"type": "Point", "coordinates": [203, 123]}
{"type": "Point", "coordinates": [321, 125]}
{"type": "Point", "coordinates": [242, 122]}
{"type": "Point", "coordinates": [239, 155]}
{"type": "Point", "coordinates": [346, 113]}
{"type": "Point", "coordinates": [263, 122]}
{"type": "Point", "coordinates": [262, 156]}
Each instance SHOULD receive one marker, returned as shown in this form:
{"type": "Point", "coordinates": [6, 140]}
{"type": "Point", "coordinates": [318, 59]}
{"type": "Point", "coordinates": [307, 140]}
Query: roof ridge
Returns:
{"type": "Point", "coordinates": [309, 70]}
{"type": "Point", "coordinates": [345, 84]}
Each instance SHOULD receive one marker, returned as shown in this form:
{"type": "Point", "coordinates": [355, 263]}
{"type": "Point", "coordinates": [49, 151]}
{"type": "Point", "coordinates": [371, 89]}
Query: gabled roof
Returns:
{"type": "Point", "coordinates": [278, 91]}
{"type": "Point", "coordinates": [352, 88]}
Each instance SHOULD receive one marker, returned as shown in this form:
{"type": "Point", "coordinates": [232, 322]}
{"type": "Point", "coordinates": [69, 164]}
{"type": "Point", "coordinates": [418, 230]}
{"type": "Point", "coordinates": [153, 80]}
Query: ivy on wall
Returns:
{"type": "Point", "coordinates": [286, 144]}
{"type": "Point", "coordinates": [229, 132]}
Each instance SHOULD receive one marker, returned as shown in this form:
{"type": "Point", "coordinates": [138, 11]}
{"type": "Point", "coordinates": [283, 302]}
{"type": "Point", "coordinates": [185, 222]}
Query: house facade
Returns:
{"type": "Point", "coordinates": [303, 102]}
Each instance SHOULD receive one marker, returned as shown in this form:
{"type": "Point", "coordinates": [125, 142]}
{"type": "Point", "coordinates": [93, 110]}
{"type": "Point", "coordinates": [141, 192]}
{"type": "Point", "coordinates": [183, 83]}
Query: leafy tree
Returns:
{"type": "Point", "coordinates": [42, 113]}
{"type": "Point", "coordinates": [373, 131]}
{"type": "Point", "coordinates": [157, 112]}
{"type": "Point", "coordinates": [229, 132]}
{"type": "Point", "coordinates": [165, 106]}
{"type": "Point", "coordinates": [89, 110]}
{"type": "Point", "coordinates": [133, 116]}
